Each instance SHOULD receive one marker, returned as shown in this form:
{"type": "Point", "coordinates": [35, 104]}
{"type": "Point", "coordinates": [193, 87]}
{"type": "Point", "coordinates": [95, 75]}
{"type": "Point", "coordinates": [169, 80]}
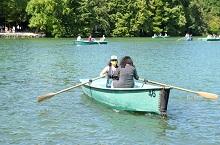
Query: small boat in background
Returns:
{"type": "Point", "coordinates": [90, 40]}
{"type": "Point", "coordinates": [188, 37]}
{"type": "Point", "coordinates": [213, 39]}
{"type": "Point", "coordinates": [86, 42]}
{"type": "Point", "coordinates": [209, 39]}
{"type": "Point", "coordinates": [142, 98]}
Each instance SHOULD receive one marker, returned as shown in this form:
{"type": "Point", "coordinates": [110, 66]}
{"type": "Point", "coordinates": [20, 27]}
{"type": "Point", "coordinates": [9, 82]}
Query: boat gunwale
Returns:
{"type": "Point", "coordinates": [123, 90]}
{"type": "Point", "coordinates": [91, 42]}
{"type": "Point", "coordinates": [209, 39]}
{"type": "Point", "coordinates": [104, 89]}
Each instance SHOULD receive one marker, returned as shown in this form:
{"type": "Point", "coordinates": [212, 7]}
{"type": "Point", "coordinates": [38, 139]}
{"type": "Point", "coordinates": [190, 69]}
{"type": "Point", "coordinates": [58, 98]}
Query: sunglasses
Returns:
{"type": "Point", "coordinates": [114, 60]}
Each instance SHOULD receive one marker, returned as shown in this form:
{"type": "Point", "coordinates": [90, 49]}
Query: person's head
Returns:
{"type": "Point", "coordinates": [113, 61]}
{"type": "Point", "coordinates": [126, 60]}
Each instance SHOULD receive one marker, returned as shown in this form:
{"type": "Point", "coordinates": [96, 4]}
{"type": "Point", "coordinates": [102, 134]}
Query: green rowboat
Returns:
{"type": "Point", "coordinates": [209, 39]}
{"type": "Point", "coordinates": [141, 98]}
{"type": "Point", "coordinates": [213, 39]}
{"type": "Point", "coordinates": [85, 42]}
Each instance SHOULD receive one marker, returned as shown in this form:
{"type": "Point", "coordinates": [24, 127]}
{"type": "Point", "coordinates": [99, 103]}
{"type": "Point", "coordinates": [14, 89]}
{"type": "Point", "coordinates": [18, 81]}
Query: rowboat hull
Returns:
{"type": "Point", "coordinates": [90, 42]}
{"type": "Point", "coordinates": [142, 98]}
{"type": "Point", "coordinates": [210, 39]}
{"type": "Point", "coordinates": [213, 39]}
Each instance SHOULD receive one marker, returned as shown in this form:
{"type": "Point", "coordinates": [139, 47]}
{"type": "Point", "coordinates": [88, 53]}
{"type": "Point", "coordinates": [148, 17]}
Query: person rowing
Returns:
{"type": "Point", "coordinates": [110, 71]}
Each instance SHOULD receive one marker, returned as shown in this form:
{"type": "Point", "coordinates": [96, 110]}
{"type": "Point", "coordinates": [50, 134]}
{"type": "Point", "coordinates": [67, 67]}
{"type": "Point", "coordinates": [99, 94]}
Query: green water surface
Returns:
{"type": "Point", "coordinates": [32, 67]}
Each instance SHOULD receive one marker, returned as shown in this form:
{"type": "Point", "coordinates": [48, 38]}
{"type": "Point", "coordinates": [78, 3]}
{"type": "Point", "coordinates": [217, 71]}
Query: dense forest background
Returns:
{"type": "Point", "coordinates": [118, 18]}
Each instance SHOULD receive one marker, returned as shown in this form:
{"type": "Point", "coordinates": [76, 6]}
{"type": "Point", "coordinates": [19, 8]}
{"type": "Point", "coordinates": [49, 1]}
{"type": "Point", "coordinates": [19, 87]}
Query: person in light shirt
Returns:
{"type": "Point", "coordinates": [110, 70]}
{"type": "Point", "coordinates": [102, 39]}
{"type": "Point", "coordinates": [78, 38]}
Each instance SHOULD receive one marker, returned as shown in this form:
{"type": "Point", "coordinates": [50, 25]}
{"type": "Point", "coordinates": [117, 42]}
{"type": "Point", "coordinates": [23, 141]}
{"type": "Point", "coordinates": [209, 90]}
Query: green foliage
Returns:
{"type": "Point", "coordinates": [13, 11]}
{"type": "Point", "coordinates": [214, 24]}
{"type": "Point", "coordinates": [211, 11]}
{"type": "Point", "coordinates": [45, 16]}
{"type": "Point", "coordinates": [132, 19]}
{"type": "Point", "coordinates": [67, 18]}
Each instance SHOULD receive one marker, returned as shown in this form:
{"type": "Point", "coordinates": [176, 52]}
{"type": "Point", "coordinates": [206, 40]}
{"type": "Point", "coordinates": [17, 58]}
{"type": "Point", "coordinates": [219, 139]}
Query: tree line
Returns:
{"type": "Point", "coordinates": [117, 18]}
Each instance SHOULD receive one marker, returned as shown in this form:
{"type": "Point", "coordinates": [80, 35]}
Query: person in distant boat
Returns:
{"type": "Point", "coordinates": [102, 39]}
{"type": "Point", "coordinates": [187, 35]}
{"type": "Point", "coordinates": [214, 35]}
{"type": "Point", "coordinates": [78, 38]}
{"type": "Point", "coordinates": [165, 35]}
{"type": "Point", "coordinates": [110, 70]}
{"type": "Point", "coordinates": [127, 73]}
{"type": "Point", "coordinates": [209, 36]}
{"type": "Point", "coordinates": [90, 38]}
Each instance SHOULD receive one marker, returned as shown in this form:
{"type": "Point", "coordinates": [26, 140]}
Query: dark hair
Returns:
{"type": "Point", "coordinates": [126, 60]}
{"type": "Point", "coordinates": [110, 64]}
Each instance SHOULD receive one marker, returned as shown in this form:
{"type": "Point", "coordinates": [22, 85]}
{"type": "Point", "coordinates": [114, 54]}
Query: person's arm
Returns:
{"type": "Point", "coordinates": [104, 71]}
{"type": "Point", "coordinates": [135, 74]}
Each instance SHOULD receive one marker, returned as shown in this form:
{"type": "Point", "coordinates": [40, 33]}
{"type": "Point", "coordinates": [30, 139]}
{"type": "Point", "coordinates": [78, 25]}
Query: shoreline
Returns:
{"type": "Point", "coordinates": [22, 35]}
{"type": "Point", "coordinates": [40, 35]}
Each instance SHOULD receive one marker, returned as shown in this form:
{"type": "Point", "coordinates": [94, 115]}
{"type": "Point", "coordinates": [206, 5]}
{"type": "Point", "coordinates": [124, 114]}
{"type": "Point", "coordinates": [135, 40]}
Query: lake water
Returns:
{"type": "Point", "coordinates": [33, 67]}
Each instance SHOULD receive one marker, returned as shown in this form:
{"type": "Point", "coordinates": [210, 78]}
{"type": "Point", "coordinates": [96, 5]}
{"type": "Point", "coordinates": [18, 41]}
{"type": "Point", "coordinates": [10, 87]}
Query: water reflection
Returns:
{"type": "Point", "coordinates": [139, 126]}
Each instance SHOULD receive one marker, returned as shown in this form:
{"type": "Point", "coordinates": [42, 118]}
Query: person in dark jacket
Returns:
{"type": "Point", "coordinates": [126, 73]}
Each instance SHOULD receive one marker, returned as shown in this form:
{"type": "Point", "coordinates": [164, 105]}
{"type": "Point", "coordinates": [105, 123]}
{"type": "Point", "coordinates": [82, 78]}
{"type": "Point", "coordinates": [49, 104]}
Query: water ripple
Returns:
{"type": "Point", "coordinates": [32, 67]}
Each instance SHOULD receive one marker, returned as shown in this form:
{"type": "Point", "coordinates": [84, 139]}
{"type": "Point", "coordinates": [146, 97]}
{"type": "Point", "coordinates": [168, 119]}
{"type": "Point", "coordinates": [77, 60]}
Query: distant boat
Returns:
{"type": "Point", "coordinates": [141, 98]}
{"type": "Point", "coordinates": [209, 39]}
{"type": "Point", "coordinates": [86, 42]}
{"type": "Point", "coordinates": [213, 39]}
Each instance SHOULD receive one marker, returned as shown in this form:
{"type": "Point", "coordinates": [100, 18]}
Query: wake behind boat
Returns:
{"type": "Point", "coordinates": [141, 98]}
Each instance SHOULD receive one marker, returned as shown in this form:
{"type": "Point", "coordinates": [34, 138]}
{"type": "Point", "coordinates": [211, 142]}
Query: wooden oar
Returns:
{"type": "Point", "coordinates": [202, 94]}
{"type": "Point", "coordinates": [49, 95]}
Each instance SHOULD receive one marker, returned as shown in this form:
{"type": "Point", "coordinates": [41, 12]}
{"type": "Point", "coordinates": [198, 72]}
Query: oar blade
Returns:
{"type": "Point", "coordinates": [208, 95]}
{"type": "Point", "coordinates": [44, 97]}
